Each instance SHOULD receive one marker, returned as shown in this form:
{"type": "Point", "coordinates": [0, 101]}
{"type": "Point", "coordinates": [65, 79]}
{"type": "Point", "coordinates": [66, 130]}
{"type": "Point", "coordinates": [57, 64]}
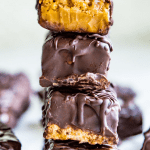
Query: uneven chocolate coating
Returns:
{"type": "Point", "coordinates": [8, 140]}
{"type": "Point", "coordinates": [66, 54]}
{"type": "Point", "coordinates": [73, 145]}
{"type": "Point", "coordinates": [130, 116]}
{"type": "Point", "coordinates": [14, 97]}
{"type": "Point", "coordinates": [146, 144]}
{"type": "Point", "coordinates": [95, 111]}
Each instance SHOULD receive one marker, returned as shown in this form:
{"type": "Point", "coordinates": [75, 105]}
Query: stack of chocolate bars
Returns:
{"type": "Point", "coordinates": [80, 107]}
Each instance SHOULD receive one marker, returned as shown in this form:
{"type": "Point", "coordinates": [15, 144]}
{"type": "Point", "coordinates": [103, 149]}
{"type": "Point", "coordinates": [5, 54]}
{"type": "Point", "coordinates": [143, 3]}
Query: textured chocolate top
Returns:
{"type": "Point", "coordinates": [73, 145]}
{"type": "Point", "coordinates": [67, 55]}
{"type": "Point", "coordinates": [8, 140]}
{"type": "Point", "coordinates": [96, 111]}
{"type": "Point", "coordinates": [14, 97]}
{"type": "Point", "coordinates": [146, 144]}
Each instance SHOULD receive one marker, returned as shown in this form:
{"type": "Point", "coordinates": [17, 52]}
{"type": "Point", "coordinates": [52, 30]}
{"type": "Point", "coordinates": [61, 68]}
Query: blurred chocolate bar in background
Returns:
{"type": "Point", "coordinates": [130, 116]}
{"type": "Point", "coordinates": [8, 140]}
{"type": "Point", "coordinates": [14, 97]}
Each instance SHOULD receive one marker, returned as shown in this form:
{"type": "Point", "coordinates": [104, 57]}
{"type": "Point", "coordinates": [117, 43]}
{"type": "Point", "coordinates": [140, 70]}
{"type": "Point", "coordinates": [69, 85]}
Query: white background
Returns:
{"type": "Point", "coordinates": [21, 40]}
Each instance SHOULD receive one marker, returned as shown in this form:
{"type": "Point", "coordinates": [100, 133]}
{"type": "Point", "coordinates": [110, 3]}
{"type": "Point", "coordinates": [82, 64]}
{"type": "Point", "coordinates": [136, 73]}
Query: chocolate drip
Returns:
{"type": "Point", "coordinates": [56, 41]}
{"type": "Point", "coordinates": [101, 39]}
{"type": "Point", "coordinates": [102, 100]}
{"type": "Point", "coordinates": [98, 39]}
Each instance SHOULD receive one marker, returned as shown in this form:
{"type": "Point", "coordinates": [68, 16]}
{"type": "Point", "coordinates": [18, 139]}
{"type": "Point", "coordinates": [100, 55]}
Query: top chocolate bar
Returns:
{"type": "Point", "coordinates": [82, 16]}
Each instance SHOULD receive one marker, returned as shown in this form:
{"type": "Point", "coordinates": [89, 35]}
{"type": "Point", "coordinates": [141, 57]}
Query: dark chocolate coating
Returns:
{"type": "Point", "coordinates": [67, 54]}
{"type": "Point", "coordinates": [8, 140]}
{"type": "Point", "coordinates": [146, 144]}
{"type": "Point", "coordinates": [14, 97]}
{"type": "Point", "coordinates": [95, 111]}
{"type": "Point", "coordinates": [130, 116]}
{"type": "Point", "coordinates": [73, 145]}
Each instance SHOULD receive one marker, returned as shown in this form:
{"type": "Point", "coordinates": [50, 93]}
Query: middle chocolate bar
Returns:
{"type": "Point", "coordinates": [68, 57]}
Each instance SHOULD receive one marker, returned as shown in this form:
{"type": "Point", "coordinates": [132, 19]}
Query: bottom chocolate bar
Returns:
{"type": "Point", "coordinates": [8, 141]}
{"type": "Point", "coordinates": [74, 145]}
{"type": "Point", "coordinates": [81, 116]}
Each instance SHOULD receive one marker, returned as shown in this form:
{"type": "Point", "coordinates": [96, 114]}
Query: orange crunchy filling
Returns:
{"type": "Point", "coordinates": [76, 15]}
{"type": "Point", "coordinates": [56, 133]}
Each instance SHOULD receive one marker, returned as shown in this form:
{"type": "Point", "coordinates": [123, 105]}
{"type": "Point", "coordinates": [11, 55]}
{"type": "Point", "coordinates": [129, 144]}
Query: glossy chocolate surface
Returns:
{"type": "Point", "coordinates": [8, 140]}
{"type": "Point", "coordinates": [130, 116]}
{"type": "Point", "coordinates": [95, 111]}
{"type": "Point", "coordinates": [14, 97]}
{"type": "Point", "coordinates": [68, 55]}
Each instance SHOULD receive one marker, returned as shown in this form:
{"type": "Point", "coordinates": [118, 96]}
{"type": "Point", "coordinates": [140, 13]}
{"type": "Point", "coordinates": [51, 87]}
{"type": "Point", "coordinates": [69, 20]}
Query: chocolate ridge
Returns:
{"type": "Point", "coordinates": [83, 81]}
{"type": "Point", "coordinates": [74, 145]}
{"type": "Point", "coordinates": [80, 36]}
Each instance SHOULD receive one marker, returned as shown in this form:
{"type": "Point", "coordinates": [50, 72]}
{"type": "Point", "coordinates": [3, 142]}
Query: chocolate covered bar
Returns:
{"type": "Point", "coordinates": [84, 116]}
{"type": "Point", "coordinates": [90, 16]}
{"type": "Point", "coordinates": [8, 140]}
{"type": "Point", "coordinates": [80, 108]}
{"type": "Point", "coordinates": [130, 116]}
{"type": "Point", "coordinates": [146, 144]}
{"type": "Point", "coordinates": [14, 97]}
{"type": "Point", "coordinates": [76, 60]}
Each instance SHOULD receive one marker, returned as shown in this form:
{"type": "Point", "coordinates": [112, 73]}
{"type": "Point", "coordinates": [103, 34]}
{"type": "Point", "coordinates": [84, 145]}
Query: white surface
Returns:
{"type": "Point", "coordinates": [21, 40]}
